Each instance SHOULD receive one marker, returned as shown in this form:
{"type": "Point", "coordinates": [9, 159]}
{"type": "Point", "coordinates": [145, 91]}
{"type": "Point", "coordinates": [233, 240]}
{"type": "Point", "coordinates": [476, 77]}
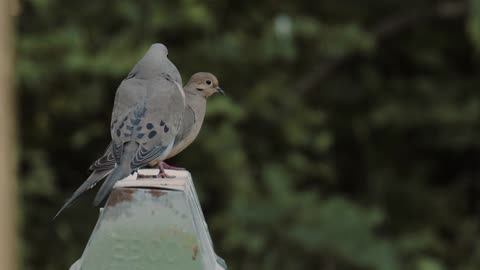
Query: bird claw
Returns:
{"type": "Point", "coordinates": [159, 175]}
{"type": "Point", "coordinates": [165, 175]}
{"type": "Point", "coordinates": [162, 174]}
{"type": "Point", "coordinates": [170, 167]}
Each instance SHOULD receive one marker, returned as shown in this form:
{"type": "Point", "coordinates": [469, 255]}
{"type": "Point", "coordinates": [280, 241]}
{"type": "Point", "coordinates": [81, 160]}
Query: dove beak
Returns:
{"type": "Point", "coordinates": [219, 90]}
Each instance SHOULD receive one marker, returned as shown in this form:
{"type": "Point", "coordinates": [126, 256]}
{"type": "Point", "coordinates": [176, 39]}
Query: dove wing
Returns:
{"type": "Point", "coordinates": [149, 113]}
{"type": "Point", "coordinates": [106, 161]}
{"type": "Point", "coordinates": [187, 124]}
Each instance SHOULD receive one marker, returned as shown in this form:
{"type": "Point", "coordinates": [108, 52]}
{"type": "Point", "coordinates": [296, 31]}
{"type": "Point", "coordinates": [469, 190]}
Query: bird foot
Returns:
{"type": "Point", "coordinates": [159, 175]}
{"type": "Point", "coordinates": [165, 175]}
{"type": "Point", "coordinates": [170, 167]}
{"type": "Point", "coordinates": [162, 174]}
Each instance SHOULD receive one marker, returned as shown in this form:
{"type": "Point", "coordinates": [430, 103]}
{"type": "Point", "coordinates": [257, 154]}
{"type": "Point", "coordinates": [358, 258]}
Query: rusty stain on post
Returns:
{"type": "Point", "coordinates": [120, 195]}
{"type": "Point", "coordinates": [195, 252]}
{"type": "Point", "coordinates": [156, 193]}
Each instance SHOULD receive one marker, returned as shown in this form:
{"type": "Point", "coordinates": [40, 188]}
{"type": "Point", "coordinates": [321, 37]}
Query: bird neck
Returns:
{"type": "Point", "coordinates": [191, 92]}
{"type": "Point", "coordinates": [195, 100]}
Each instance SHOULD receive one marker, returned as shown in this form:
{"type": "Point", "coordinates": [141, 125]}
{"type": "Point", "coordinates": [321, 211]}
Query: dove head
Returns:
{"type": "Point", "coordinates": [204, 84]}
{"type": "Point", "coordinates": [155, 63]}
{"type": "Point", "coordinates": [159, 48]}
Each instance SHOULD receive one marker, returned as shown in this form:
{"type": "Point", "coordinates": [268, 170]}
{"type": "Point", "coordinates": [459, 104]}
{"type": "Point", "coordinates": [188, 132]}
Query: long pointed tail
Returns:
{"type": "Point", "coordinates": [91, 181]}
{"type": "Point", "coordinates": [117, 174]}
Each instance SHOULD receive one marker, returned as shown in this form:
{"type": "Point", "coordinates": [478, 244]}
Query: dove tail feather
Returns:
{"type": "Point", "coordinates": [117, 174]}
{"type": "Point", "coordinates": [95, 177]}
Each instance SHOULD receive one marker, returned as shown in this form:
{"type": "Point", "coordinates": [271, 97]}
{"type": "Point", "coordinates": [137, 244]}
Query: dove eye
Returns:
{"type": "Point", "coordinates": [209, 82]}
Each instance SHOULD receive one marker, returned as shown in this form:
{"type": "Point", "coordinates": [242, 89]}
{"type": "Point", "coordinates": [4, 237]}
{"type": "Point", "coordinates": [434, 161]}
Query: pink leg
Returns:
{"type": "Point", "coordinates": [170, 167]}
{"type": "Point", "coordinates": [161, 166]}
{"type": "Point", "coordinates": [162, 173]}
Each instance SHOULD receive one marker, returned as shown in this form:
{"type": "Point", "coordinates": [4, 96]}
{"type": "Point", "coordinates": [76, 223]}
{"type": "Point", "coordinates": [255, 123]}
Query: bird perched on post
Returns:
{"type": "Point", "coordinates": [153, 119]}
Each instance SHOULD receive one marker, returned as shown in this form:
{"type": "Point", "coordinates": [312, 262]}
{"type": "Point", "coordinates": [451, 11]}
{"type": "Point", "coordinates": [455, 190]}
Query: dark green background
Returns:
{"type": "Point", "coordinates": [349, 138]}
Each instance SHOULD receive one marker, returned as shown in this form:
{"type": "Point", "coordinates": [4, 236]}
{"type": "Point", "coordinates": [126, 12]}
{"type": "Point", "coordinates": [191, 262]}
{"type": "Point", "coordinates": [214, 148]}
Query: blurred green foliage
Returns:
{"type": "Point", "coordinates": [349, 138]}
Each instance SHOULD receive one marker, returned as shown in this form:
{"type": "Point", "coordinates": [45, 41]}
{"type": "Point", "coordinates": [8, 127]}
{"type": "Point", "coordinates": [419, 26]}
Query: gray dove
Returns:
{"type": "Point", "coordinates": [147, 115]}
{"type": "Point", "coordinates": [200, 86]}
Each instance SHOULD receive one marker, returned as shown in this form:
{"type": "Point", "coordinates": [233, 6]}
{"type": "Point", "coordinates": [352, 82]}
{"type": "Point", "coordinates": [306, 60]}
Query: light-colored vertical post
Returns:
{"type": "Point", "coordinates": [8, 243]}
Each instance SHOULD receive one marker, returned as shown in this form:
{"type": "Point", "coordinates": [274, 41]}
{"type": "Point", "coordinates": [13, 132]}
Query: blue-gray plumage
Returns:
{"type": "Point", "coordinates": [136, 121]}
{"type": "Point", "coordinates": [152, 134]}
{"type": "Point", "coordinates": [148, 95]}
{"type": "Point", "coordinates": [152, 91]}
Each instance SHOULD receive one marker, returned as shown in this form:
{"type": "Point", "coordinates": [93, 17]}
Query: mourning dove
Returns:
{"type": "Point", "coordinates": [200, 86]}
{"type": "Point", "coordinates": [147, 115]}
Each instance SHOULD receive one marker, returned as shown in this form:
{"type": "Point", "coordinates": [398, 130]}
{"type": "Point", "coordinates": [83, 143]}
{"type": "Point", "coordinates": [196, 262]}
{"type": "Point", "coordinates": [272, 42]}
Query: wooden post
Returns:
{"type": "Point", "coordinates": [8, 244]}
